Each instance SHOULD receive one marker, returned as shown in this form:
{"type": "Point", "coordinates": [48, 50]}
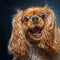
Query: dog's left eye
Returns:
{"type": "Point", "coordinates": [42, 15]}
{"type": "Point", "coordinates": [26, 18]}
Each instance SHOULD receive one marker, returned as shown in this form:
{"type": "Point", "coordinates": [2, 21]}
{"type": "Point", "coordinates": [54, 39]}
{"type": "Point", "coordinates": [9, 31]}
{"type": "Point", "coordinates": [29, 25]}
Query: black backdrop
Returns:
{"type": "Point", "coordinates": [8, 8]}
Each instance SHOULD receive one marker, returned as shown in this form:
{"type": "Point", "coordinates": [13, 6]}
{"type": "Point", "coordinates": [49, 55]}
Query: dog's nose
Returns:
{"type": "Point", "coordinates": [35, 19]}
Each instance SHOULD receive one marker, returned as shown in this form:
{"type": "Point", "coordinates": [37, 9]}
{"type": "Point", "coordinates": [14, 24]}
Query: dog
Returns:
{"type": "Point", "coordinates": [35, 35]}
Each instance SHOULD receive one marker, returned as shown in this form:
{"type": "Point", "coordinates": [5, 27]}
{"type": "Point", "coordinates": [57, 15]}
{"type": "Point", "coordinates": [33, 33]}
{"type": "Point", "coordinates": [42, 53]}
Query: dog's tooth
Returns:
{"type": "Point", "coordinates": [37, 35]}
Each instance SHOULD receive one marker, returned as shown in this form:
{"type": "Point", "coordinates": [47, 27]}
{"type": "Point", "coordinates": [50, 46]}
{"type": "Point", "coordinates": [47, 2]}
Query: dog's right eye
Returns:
{"type": "Point", "coordinates": [42, 15]}
{"type": "Point", "coordinates": [26, 18]}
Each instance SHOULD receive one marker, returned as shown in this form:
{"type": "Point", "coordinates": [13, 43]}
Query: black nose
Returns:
{"type": "Point", "coordinates": [35, 19]}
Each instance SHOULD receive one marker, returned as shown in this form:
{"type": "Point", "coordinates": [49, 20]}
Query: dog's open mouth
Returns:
{"type": "Point", "coordinates": [35, 33]}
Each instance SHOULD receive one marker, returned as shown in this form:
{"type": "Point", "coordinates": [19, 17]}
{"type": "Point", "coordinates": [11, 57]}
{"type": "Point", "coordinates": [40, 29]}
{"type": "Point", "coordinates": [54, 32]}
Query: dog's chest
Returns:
{"type": "Point", "coordinates": [34, 57]}
{"type": "Point", "coordinates": [35, 54]}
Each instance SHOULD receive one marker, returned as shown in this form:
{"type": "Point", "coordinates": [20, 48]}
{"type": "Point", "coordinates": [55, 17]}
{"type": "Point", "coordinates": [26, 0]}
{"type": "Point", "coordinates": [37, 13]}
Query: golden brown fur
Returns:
{"type": "Point", "coordinates": [26, 46]}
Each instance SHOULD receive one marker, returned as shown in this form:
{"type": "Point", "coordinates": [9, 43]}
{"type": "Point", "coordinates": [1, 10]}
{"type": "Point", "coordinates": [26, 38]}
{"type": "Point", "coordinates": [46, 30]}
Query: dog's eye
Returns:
{"type": "Point", "coordinates": [26, 18]}
{"type": "Point", "coordinates": [42, 15]}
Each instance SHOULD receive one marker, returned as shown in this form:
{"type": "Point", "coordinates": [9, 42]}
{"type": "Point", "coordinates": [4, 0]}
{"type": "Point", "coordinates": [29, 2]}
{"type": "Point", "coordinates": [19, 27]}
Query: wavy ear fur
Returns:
{"type": "Point", "coordinates": [56, 42]}
{"type": "Point", "coordinates": [57, 37]}
{"type": "Point", "coordinates": [55, 45]}
{"type": "Point", "coordinates": [17, 42]}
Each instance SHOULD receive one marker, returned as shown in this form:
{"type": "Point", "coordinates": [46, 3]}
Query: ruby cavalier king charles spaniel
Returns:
{"type": "Point", "coordinates": [35, 35]}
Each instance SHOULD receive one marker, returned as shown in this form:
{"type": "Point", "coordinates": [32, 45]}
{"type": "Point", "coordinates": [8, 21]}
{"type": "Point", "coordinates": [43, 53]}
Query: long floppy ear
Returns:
{"type": "Point", "coordinates": [55, 46]}
{"type": "Point", "coordinates": [57, 37]}
{"type": "Point", "coordinates": [17, 43]}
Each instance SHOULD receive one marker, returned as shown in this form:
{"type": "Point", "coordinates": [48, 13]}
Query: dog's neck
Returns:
{"type": "Point", "coordinates": [36, 54]}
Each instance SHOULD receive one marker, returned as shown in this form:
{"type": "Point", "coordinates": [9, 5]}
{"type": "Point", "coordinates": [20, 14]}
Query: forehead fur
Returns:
{"type": "Point", "coordinates": [34, 8]}
{"type": "Point", "coordinates": [37, 9]}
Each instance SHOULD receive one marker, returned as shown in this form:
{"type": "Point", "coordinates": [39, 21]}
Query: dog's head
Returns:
{"type": "Point", "coordinates": [37, 25]}
{"type": "Point", "coordinates": [36, 21]}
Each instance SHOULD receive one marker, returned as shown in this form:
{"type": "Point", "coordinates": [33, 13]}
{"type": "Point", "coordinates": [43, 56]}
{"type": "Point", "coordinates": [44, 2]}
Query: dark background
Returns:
{"type": "Point", "coordinates": [8, 8]}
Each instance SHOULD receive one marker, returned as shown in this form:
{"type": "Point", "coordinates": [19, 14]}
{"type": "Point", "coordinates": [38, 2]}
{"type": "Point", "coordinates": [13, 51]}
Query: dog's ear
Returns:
{"type": "Point", "coordinates": [17, 42]}
{"type": "Point", "coordinates": [56, 42]}
{"type": "Point", "coordinates": [55, 45]}
{"type": "Point", "coordinates": [57, 36]}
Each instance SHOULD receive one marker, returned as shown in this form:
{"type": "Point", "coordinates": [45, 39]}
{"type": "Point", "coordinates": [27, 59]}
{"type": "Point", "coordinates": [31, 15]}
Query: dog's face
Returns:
{"type": "Point", "coordinates": [34, 21]}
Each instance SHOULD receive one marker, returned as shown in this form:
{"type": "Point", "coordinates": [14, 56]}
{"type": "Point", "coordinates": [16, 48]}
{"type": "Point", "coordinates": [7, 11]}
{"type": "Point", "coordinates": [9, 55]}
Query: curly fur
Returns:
{"type": "Point", "coordinates": [24, 47]}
